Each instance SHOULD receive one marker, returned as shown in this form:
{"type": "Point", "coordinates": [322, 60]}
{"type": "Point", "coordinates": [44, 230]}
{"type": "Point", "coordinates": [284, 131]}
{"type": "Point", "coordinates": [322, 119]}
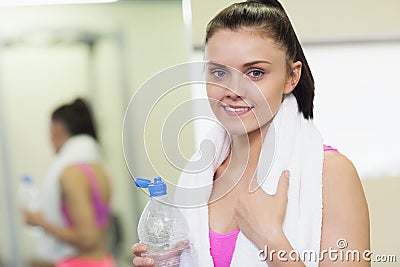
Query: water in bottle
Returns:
{"type": "Point", "coordinates": [163, 228]}
{"type": "Point", "coordinates": [29, 199]}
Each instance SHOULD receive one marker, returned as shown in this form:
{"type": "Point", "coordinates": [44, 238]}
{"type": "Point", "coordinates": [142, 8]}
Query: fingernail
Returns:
{"type": "Point", "coordinates": [286, 173]}
{"type": "Point", "coordinates": [149, 261]}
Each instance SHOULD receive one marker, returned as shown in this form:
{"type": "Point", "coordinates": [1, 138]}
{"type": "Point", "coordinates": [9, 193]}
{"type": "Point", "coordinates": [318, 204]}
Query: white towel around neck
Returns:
{"type": "Point", "coordinates": [77, 149]}
{"type": "Point", "coordinates": [292, 143]}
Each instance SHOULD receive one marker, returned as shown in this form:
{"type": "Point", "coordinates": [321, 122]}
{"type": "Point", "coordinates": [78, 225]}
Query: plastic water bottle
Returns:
{"type": "Point", "coordinates": [163, 228]}
{"type": "Point", "coordinates": [29, 194]}
{"type": "Point", "coordinates": [29, 199]}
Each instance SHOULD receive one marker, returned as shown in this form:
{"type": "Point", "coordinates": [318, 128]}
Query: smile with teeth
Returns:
{"type": "Point", "coordinates": [237, 109]}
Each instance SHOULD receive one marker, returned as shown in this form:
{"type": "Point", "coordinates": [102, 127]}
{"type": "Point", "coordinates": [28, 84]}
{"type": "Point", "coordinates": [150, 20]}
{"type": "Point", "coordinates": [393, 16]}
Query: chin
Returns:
{"type": "Point", "coordinates": [237, 132]}
{"type": "Point", "coordinates": [237, 128]}
{"type": "Point", "coordinates": [240, 129]}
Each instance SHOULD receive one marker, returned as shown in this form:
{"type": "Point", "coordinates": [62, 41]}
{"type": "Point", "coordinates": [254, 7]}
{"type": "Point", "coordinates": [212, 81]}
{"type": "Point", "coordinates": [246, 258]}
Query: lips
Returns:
{"type": "Point", "coordinates": [236, 110]}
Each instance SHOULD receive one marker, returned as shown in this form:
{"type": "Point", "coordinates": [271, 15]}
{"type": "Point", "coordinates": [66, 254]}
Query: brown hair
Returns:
{"type": "Point", "coordinates": [77, 117]}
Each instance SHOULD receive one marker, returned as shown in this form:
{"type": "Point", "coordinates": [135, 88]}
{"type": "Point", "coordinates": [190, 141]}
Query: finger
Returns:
{"type": "Point", "coordinates": [24, 212]}
{"type": "Point", "coordinates": [143, 262]}
{"type": "Point", "coordinates": [182, 244]}
{"type": "Point", "coordinates": [283, 184]}
{"type": "Point", "coordinates": [138, 249]}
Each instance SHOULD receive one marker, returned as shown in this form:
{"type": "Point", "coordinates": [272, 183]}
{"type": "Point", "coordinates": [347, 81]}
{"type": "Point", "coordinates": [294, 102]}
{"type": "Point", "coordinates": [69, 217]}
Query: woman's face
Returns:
{"type": "Point", "coordinates": [255, 71]}
{"type": "Point", "coordinates": [59, 135]}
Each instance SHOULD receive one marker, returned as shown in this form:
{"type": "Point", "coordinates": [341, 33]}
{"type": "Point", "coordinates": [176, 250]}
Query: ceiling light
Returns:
{"type": "Point", "coordinates": [50, 2]}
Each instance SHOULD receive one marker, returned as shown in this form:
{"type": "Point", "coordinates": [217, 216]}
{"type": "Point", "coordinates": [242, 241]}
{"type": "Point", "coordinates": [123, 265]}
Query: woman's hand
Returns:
{"type": "Point", "coordinates": [174, 253]}
{"type": "Point", "coordinates": [33, 218]}
{"type": "Point", "coordinates": [139, 261]}
{"type": "Point", "coordinates": [260, 215]}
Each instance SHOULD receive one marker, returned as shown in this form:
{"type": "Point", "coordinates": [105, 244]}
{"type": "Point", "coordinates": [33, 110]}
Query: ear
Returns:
{"type": "Point", "coordinates": [293, 78]}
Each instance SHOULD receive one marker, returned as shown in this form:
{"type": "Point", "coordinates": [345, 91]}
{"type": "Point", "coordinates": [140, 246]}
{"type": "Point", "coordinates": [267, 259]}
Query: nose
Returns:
{"type": "Point", "coordinates": [236, 88]}
{"type": "Point", "coordinates": [229, 93]}
{"type": "Point", "coordinates": [233, 95]}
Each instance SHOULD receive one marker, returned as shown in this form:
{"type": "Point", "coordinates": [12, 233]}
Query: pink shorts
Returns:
{"type": "Point", "coordinates": [107, 261]}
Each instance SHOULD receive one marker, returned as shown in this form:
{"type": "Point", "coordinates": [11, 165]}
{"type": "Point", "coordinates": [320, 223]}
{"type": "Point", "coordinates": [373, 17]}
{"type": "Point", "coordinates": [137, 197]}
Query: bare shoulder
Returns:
{"type": "Point", "coordinates": [340, 175]}
{"type": "Point", "coordinates": [345, 210]}
{"type": "Point", "coordinates": [73, 180]}
{"type": "Point", "coordinates": [72, 177]}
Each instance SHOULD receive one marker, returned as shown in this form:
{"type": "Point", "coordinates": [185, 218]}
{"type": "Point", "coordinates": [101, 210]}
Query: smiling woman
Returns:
{"type": "Point", "coordinates": [271, 173]}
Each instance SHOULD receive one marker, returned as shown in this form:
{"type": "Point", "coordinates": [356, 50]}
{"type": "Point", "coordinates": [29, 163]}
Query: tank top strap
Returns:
{"type": "Point", "coordinates": [94, 186]}
{"type": "Point", "coordinates": [329, 148]}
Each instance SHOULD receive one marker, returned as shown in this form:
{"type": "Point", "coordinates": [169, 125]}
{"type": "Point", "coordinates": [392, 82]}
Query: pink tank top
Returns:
{"type": "Point", "coordinates": [222, 246]}
{"type": "Point", "coordinates": [101, 208]}
{"type": "Point", "coordinates": [107, 261]}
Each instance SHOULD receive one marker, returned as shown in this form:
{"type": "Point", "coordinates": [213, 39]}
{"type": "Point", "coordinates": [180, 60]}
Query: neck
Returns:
{"type": "Point", "coordinates": [60, 144]}
{"type": "Point", "coordinates": [240, 167]}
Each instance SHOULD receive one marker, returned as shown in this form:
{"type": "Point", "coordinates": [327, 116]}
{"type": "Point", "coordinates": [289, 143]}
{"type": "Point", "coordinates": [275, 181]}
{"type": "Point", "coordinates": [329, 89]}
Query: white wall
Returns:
{"type": "Point", "coordinates": [4, 227]}
{"type": "Point", "coordinates": [320, 20]}
{"type": "Point", "coordinates": [356, 104]}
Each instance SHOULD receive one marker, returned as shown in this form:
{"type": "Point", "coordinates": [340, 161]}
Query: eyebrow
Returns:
{"type": "Point", "coordinates": [248, 64]}
{"type": "Point", "coordinates": [218, 65]}
{"type": "Point", "coordinates": [256, 62]}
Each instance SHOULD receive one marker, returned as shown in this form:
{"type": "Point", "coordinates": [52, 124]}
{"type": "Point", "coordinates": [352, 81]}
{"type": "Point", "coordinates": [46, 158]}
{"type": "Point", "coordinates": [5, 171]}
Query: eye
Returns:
{"type": "Point", "coordinates": [256, 74]}
{"type": "Point", "coordinates": [219, 73]}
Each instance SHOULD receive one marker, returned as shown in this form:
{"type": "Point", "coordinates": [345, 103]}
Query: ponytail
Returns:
{"type": "Point", "coordinates": [305, 88]}
{"type": "Point", "coordinates": [77, 118]}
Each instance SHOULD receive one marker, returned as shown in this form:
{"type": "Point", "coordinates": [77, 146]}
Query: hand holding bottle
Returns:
{"type": "Point", "coordinates": [140, 250]}
{"type": "Point", "coordinates": [139, 261]}
{"type": "Point", "coordinates": [162, 231]}
{"type": "Point", "coordinates": [32, 218]}
{"type": "Point", "coordinates": [29, 203]}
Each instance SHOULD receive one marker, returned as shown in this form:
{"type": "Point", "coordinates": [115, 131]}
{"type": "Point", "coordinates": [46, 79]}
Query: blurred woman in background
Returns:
{"type": "Point", "coordinates": [75, 207]}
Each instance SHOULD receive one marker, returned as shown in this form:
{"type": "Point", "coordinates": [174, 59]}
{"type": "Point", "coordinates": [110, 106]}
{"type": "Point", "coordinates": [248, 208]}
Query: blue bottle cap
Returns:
{"type": "Point", "coordinates": [142, 183]}
{"type": "Point", "coordinates": [26, 179]}
{"type": "Point", "coordinates": [157, 188]}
